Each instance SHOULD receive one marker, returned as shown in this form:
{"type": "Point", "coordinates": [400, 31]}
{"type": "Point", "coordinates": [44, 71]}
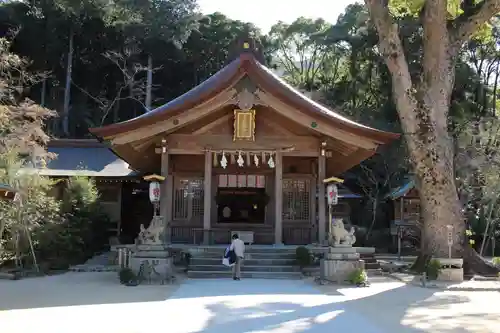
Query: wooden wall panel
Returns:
{"type": "Point", "coordinates": [299, 165]}
{"type": "Point", "coordinates": [188, 163]}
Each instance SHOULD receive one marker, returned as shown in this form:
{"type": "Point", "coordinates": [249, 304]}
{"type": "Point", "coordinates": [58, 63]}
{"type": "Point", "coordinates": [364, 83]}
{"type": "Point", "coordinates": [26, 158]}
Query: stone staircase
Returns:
{"type": "Point", "coordinates": [371, 263]}
{"type": "Point", "coordinates": [262, 263]}
{"type": "Point", "coordinates": [104, 262]}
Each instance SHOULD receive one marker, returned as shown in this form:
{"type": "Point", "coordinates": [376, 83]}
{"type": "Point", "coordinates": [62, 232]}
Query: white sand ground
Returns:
{"type": "Point", "coordinates": [95, 302]}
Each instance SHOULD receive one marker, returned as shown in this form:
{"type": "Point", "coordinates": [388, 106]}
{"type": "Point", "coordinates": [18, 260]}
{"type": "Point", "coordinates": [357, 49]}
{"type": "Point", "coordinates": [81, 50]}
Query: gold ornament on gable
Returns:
{"type": "Point", "coordinates": [244, 125]}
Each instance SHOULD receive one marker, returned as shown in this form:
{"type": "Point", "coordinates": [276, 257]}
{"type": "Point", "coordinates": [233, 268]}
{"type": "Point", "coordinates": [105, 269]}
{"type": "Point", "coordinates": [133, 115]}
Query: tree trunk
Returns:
{"type": "Point", "coordinates": [440, 208]}
{"type": "Point", "coordinates": [494, 92]}
{"type": "Point", "coordinates": [43, 93]}
{"type": "Point", "coordinates": [149, 83]}
{"type": "Point", "coordinates": [67, 89]}
{"type": "Point", "coordinates": [423, 107]}
{"type": "Point", "coordinates": [2, 227]}
{"type": "Point", "coordinates": [374, 215]}
{"type": "Point", "coordinates": [116, 109]}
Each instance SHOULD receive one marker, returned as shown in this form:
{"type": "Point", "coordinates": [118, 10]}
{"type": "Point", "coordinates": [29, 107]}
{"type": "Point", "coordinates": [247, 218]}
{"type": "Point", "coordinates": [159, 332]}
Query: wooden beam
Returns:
{"type": "Point", "coordinates": [321, 200]}
{"type": "Point", "coordinates": [278, 201]}
{"type": "Point", "coordinates": [174, 123]}
{"type": "Point", "coordinates": [321, 126]}
{"type": "Point", "coordinates": [339, 146]}
{"type": "Point", "coordinates": [143, 144]}
{"type": "Point", "coordinates": [180, 151]}
{"type": "Point", "coordinates": [207, 198]}
{"type": "Point", "coordinates": [188, 142]}
{"type": "Point", "coordinates": [208, 127]}
{"type": "Point", "coordinates": [166, 196]}
{"type": "Point", "coordinates": [346, 162]}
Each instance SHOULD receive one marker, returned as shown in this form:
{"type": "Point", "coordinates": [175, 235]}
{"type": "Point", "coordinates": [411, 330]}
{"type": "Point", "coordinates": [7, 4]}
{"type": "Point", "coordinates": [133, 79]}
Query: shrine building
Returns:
{"type": "Point", "coordinates": [243, 151]}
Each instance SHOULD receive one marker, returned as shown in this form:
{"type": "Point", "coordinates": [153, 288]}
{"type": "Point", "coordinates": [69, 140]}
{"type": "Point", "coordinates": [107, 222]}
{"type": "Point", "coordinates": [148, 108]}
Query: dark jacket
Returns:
{"type": "Point", "coordinates": [229, 254]}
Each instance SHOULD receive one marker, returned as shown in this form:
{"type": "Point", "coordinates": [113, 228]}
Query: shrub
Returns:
{"type": "Point", "coordinates": [81, 233]}
{"type": "Point", "coordinates": [433, 269]}
{"type": "Point", "coordinates": [496, 261]}
{"type": "Point", "coordinates": [358, 277]}
{"type": "Point", "coordinates": [126, 276]}
{"type": "Point", "coordinates": [303, 256]}
{"type": "Point", "coordinates": [37, 211]}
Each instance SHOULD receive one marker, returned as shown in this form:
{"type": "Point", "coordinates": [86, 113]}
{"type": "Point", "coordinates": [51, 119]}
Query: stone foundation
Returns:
{"type": "Point", "coordinates": [451, 270]}
{"type": "Point", "coordinates": [339, 263]}
{"type": "Point", "coordinates": [451, 274]}
{"type": "Point", "coordinates": [157, 257]}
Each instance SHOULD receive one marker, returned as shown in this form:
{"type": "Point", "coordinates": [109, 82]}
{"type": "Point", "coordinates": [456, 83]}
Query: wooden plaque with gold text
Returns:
{"type": "Point", "coordinates": [244, 125]}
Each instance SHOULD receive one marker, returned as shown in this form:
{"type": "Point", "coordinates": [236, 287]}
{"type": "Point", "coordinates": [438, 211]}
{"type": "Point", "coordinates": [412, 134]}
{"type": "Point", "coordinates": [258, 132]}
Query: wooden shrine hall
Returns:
{"type": "Point", "coordinates": [243, 151]}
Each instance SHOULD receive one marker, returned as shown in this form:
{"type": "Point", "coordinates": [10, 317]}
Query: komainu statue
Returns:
{"type": "Point", "coordinates": [153, 234]}
{"type": "Point", "coordinates": [340, 236]}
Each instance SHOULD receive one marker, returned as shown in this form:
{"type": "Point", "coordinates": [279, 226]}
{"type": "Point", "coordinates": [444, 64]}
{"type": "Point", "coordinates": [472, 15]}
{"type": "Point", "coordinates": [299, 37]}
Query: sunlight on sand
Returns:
{"type": "Point", "coordinates": [193, 314]}
{"type": "Point", "coordinates": [80, 303]}
{"type": "Point", "coordinates": [456, 312]}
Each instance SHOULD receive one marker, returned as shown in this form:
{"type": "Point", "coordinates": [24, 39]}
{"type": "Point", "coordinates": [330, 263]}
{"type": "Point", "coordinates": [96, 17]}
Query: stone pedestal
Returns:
{"type": "Point", "coordinates": [451, 270]}
{"type": "Point", "coordinates": [451, 275]}
{"type": "Point", "coordinates": [339, 263]}
{"type": "Point", "coordinates": [157, 259]}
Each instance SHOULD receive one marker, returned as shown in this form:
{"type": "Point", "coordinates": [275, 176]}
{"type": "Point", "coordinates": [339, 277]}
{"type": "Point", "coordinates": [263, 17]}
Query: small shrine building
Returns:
{"type": "Point", "coordinates": [243, 151]}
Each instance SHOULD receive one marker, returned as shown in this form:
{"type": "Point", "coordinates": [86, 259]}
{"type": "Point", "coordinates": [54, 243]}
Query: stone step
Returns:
{"type": "Point", "coordinates": [270, 250]}
{"type": "Point", "coordinates": [245, 275]}
{"type": "Point", "coordinates": [250, 262]}
{"type": "Point", "coordinates": [248, 255]}
{"type": "Point", "coordinates": [315, 271]}
{"type": "Point", "coordinates": [151, 254]}
{"type": "Point", "coordinates": [245, 268]}
{"type": "Point", "coordinates": [372, 265]}
{"type": "Point", "coordinates": [248, 249]}
{"type": "Point", "coordinates": [94, 268]}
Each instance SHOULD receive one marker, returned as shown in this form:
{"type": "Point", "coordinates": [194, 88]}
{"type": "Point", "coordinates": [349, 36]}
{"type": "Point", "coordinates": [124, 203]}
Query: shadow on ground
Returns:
{"type": "Point", "coordinates": [393, 308]}
{"type": "Point", "coordinates": [73, 289]}
{"type": "Point", "coordinates": [259, 306]}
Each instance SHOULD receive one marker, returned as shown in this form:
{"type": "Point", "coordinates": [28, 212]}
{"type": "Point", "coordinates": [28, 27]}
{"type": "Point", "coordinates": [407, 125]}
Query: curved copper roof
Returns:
{"type": "Point", "coordinates": [227, 77]}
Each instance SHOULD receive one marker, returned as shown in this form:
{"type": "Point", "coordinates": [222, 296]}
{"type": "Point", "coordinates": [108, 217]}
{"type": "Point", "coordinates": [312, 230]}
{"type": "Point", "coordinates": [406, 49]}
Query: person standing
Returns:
{"type": "Point", "coordinates": [238, 246]}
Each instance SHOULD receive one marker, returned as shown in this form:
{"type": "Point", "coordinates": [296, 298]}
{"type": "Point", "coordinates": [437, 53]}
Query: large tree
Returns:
{"type": "Point", "coordinates": [423, 104]}
{"type": "Point", "coordinates": [300, 51]}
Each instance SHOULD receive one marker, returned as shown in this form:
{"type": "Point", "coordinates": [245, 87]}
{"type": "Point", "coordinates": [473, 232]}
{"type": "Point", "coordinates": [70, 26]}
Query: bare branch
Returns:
{"type": "Point", "coordinates": [130, 81]}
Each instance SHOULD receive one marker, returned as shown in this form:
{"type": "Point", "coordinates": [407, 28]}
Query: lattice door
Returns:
{"type": "Point", "coordinates": [188, 198]}
{"type": "Point", "coordinates": [296, 199]}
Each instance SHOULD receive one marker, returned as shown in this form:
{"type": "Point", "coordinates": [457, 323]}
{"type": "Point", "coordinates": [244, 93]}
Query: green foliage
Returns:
{"type": "Point", "coordinates": [433, 269]}
{"type": "Point", "coordinates": [414, 7]}
{"type": "Point", "coordinates": [496, 261]}
{"type": "Point", "coordinates": [358, 277]}
{"type": "Point", "coordinates": [303, 256]}
{"type": "Point", "coordinates": [34, 213]}
{"type": "Point", "coordinates": [60, 233]}
{"type": "Point", "coordinates": [126, 276]}
{"type": "Point", "coordinates": [300, 50]}
{"type": "Point", "coordinates": [63, 232]}
{"type": "Point", "coordinates": [85, 230]}
{"type": "Point", "coordinates": [81, 192]}
{"type": "Point", "coordinates": [343, 69]}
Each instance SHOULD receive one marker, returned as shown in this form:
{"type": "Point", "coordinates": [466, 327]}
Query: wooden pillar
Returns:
{"type": "Point", "coordinates": [278, 201]}
{"type": "Point", "coordinates": [314, 222]}
{"type": "Point", "coordinates": [166, 194]}
{"type": "Point", "coordinates": [207, 197]}
{"type": "Point", "coordinates": [321, 200]}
